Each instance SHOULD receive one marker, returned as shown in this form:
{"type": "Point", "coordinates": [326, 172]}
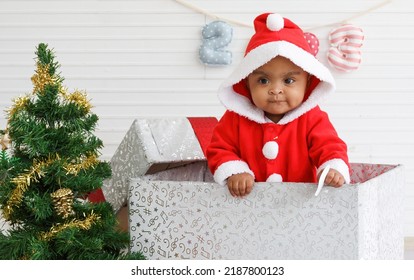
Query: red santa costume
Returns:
{"type": "Point", "coordinates": [302, 143]}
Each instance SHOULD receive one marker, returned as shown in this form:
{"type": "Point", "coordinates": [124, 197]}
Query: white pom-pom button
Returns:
{"type": "Point", "coordinates": [274, 178]}
{"type": "Point", "coordinates": [270, 150]}
{"type": "Point", "coordinates": [275, 22]}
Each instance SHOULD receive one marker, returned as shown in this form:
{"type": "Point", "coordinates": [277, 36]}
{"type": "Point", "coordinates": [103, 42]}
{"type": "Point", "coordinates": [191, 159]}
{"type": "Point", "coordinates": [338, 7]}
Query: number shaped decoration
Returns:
{"type": "Point", "coordinates": [346, 42]}
{"type": "Point", "coordinates": [216, 36]}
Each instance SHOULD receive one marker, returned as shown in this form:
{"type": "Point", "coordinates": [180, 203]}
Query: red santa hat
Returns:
{"type": "Point", "coordinates": [275, 35]}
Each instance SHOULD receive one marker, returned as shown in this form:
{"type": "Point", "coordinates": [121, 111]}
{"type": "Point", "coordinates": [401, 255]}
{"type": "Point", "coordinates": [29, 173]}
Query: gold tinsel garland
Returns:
{"type": "Point", "coordinates": [83, 225]}
{"type": "Point", "coordinates": [19, 103]}
{"type": "Point", "coordinates": [42, 78]}
{"type": "Point", "coordinates": [36, 172]}
{"type": "Point", "coordinates": [86, 163]}
{"type": "Point", "coordinates": [79, 98]}
{"type": "Point", "coordinates": [22, 183]}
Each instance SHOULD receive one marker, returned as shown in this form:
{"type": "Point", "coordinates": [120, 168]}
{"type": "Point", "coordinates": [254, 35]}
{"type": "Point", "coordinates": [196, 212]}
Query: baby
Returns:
{"type": "Point", "coordinates": [273, 129]}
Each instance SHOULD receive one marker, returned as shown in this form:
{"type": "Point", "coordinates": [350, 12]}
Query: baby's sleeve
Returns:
{"type": "Point", "coordinates": [325, 146]}
{"type": "Point", "coordinates": [223, 153]}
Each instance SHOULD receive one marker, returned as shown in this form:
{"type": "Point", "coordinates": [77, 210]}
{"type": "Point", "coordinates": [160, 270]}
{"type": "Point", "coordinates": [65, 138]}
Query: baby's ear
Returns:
{"type": "Point", "coordinates": [246, 81]}
{"type": "Point", "coordinates": [309, 80]}
{"type": "Point", "coordinates": [310, 85]}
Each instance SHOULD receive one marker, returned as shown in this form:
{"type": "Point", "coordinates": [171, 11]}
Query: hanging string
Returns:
{"type": "Point", "coordinates": [213, 16]}
{"type": "Point", "coordinates": [360, 14]}
{"type": "Point", "coordinates": [207, 13]}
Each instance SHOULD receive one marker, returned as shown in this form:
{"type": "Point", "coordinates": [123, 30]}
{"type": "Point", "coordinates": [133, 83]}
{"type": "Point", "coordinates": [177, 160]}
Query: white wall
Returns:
{"type": "Point", "coordinates": [139, 58]}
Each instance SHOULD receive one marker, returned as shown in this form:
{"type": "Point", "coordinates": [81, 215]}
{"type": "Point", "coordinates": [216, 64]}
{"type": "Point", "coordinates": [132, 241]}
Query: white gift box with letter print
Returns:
{"type": "Point", "coordinates": [151, 145]}
{"type": "Point", "coordinates": [201, 220]}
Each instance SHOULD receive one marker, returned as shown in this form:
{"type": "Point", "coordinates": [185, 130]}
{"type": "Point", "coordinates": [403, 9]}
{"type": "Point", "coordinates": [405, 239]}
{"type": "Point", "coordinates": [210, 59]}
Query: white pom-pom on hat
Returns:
{"type": "Point", "coordinates": [270, 150]}
{"type": "Point", "coordinates": [275, 22]}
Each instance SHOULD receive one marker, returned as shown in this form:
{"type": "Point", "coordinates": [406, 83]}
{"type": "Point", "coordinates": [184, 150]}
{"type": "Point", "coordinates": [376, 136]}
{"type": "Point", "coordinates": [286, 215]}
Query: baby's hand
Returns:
{"type": "Point", "coordinates": [333, 178]}
{"type": "Point", "coordinates": [240, 184]}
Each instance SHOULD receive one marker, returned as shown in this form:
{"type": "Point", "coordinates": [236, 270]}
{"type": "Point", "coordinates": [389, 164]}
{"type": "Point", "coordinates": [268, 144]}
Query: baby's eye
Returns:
{"type": "Point", "coordinates": [289, 81]}
{"type": "Point", "coordinates": [263, 81]}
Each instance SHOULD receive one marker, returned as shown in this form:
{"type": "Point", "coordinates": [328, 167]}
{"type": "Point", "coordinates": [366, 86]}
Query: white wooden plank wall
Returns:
{"type": "Point", "coordinates": [140, 58]}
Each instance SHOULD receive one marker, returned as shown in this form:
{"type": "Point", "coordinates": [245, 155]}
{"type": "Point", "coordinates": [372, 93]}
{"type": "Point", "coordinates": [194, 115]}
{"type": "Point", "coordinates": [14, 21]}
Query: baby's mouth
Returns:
{"type": "Point", "coordinates": [277, 101]}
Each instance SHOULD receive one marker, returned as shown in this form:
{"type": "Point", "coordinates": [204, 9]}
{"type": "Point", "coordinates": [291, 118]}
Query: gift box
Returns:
{"type": "Point", "coordinates": [201, 220]}
{"type": "Point", "coordinates": [152, 145]}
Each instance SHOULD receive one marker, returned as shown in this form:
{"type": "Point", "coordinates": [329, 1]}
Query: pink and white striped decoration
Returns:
{"type": "Point", "coordinates": [346, 42]}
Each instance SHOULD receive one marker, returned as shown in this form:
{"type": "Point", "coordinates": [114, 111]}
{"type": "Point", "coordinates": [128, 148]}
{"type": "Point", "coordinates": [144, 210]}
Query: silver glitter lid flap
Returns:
{"type": "Point", "coordinates": [169, 142]}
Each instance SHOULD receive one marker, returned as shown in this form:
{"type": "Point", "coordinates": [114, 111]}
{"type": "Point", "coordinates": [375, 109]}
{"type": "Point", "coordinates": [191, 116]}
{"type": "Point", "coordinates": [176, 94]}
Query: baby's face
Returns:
{"type": "Point", "coordinates": [278, 87]}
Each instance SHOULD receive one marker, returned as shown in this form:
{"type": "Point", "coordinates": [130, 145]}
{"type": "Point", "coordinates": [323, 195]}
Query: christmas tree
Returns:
{"type": "Point", "coordinates": [45, 180]}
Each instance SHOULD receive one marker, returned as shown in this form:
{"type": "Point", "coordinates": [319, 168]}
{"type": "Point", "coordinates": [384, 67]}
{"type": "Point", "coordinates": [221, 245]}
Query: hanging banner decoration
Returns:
{"type": "Point", "coordinates": [346, 42]}
{"type": "Point", "coordinates": [339, 55]}
{"type": "Point", "coordinates": [215, 37]}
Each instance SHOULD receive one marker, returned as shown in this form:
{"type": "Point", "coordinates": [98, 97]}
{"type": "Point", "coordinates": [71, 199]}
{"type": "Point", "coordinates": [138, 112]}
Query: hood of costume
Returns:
{"type": "Point", "coordinates": [276, 36]}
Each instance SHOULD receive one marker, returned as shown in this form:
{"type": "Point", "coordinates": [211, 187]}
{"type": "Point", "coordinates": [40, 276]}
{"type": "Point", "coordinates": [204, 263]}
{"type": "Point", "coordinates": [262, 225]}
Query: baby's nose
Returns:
{"type": "Point", "coordinates": [275, 90]}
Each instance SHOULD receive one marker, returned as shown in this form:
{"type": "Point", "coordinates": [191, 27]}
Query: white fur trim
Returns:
{"type": "Point", "coordinates": [270, 150]}
{"type": "Point", "coordinates": [274, 178]}
{"type": "Point", "coordinates": [275, 22]}
{"type": "Point", "coordinates": [229, 168]}
{"type": "Point", "coordinates": [318, 95]}
{"type": "Point", "coordinates": [260, 56]}
{"type": "Point", "coordinates": [339, 165]}
{"type": "Point", "coordinates": [241, 105]}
